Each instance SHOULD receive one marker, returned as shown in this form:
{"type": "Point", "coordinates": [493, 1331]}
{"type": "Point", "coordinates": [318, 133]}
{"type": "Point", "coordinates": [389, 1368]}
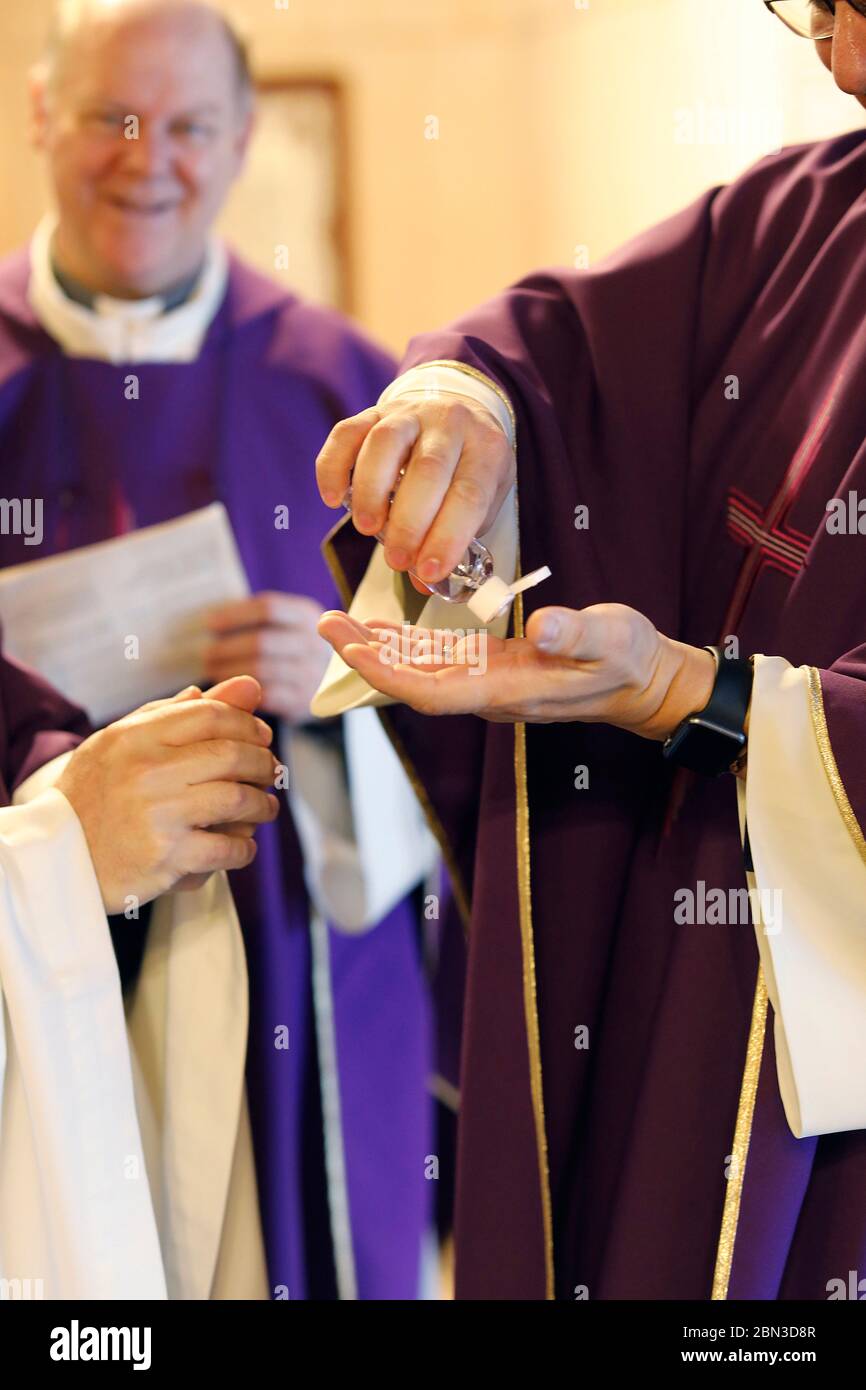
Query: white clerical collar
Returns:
{"type": "Point", "coordinates": [122, 330]}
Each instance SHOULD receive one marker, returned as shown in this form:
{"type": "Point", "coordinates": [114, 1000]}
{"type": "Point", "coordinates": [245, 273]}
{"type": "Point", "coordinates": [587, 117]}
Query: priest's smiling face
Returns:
{"type": "Point", "coordinates": [145, 120]}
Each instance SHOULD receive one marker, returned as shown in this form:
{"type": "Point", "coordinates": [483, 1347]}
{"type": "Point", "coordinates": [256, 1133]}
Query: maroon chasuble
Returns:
{"type": "Point", "coordinates": [702, 394]}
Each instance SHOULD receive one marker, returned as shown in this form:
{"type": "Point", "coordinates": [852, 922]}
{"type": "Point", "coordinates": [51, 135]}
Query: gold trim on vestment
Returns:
{"type": "Point", "coordinates": [828, 758]}
{"type": "Point", "coordinates": [742, 1136]}
{"type": "Point", "coordinates": [338, 574]}
{"type": "Point", "coordinates": [444, 1091]}
{"type": "Point", "coordinates": [437, 829]}
{"type": "Point", "coordinates": [530, 991]}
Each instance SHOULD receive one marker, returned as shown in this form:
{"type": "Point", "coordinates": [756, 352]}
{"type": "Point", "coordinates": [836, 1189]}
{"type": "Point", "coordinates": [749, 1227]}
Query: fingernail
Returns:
{"type": "Point", "coordinates": [365, 522]}
{"type": "Point", "coordinates": [551, 627]}
{"type": "Point", "coordinates": [265, 730]}
{"type": "Point", "coordinates": [331, 498]}
{"type": "Point", "coordinates": [397, 559]}
{"type": "Point", "coordinates": [429, 569]}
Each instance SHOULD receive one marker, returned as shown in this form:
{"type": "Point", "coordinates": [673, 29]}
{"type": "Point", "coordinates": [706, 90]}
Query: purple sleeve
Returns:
{"type": "Point", "coordinates": [611, 371]}
{"type": "Point", "coordinates": [38, 723]}
{"type": "Point", "coordinates": [598, 366]}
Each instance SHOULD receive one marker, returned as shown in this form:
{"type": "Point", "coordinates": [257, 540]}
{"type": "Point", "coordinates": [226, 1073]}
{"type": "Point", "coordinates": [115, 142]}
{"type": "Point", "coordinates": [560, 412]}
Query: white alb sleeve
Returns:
{"type": "Point", "coordinates": [75, 1205]}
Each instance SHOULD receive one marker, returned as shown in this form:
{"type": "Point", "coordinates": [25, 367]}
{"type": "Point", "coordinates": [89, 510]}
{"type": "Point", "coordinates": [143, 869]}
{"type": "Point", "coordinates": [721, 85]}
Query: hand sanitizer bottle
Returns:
{"type": "Point", "coordinates": [472, 580]}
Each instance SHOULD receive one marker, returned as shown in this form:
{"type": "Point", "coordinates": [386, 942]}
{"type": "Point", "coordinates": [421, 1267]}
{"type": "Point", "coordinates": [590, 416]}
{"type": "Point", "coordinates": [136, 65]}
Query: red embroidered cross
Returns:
{"type": "Point", "coordinates": [781, 545]}
{"type": "Point", "coordinates": [767, 534]}
{"type": "Point", "coordinates": [769, 540]}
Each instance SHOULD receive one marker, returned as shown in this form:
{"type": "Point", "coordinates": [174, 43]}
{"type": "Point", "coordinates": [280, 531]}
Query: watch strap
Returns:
{"type": "Point", "coordinates": [712, 739]}
{"type": "Point", "coordinates": [729, 702]}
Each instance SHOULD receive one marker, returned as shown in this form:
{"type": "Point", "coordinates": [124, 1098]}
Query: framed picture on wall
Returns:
{"type": "Point", "coordinates": [287, 213]}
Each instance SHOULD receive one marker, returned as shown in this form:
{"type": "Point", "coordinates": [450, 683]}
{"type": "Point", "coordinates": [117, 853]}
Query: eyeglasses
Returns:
{"type": "Point", "coordinates": [813, 19]}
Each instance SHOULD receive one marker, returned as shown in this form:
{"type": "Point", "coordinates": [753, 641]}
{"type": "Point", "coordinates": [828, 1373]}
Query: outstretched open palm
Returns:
{"type": "Point", "coordinates": [604, 664]}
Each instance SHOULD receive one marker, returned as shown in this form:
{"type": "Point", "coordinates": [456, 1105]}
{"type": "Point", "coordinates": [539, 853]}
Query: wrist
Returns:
{"type": "Point", "coordinates": [690, 674]}
{"type": "Point", "coordinates": [452, 378]}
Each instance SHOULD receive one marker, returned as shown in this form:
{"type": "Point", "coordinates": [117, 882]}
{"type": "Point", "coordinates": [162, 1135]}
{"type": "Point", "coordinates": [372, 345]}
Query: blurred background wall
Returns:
{"type": "Point", "coordinates": [485, 137]}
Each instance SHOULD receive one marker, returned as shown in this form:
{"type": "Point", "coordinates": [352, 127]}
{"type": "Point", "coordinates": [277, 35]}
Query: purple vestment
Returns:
{"type": "Point", "coordinates": [702, 394]}
{"type": "Point", "coordinates": [36, 725]}
{"type": "Point", "coordinates": [243, 424]}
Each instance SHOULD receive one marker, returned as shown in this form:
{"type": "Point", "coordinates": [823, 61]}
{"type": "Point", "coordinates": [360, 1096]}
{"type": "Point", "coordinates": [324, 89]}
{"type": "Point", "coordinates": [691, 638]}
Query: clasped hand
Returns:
{"type": "Point", "coordinates": [174, 791]}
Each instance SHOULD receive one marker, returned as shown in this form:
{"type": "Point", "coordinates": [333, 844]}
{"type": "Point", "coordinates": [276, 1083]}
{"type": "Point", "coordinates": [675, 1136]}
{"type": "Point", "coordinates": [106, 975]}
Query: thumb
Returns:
{"type": "Point", "coordinates": [244, 692]}
{"type": "Point", "coordinates": [558, 631]}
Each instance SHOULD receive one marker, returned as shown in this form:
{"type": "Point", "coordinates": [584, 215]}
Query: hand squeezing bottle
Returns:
{"type": "Point", "coordinates": [472, 580]}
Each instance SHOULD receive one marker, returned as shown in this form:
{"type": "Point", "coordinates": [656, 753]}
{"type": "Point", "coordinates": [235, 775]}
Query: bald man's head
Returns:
{"type": "Point", "coordinates": [144, 110]}
{"type": "Point", "coordinates": [70, 17]}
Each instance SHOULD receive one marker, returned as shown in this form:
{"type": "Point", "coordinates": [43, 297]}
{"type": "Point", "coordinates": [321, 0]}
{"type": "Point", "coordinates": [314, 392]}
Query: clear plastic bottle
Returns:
{"type": "Point", "coordinates": [472, 581]}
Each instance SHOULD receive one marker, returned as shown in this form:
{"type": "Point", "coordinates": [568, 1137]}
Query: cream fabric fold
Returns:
{"type": "Point", "coordinates": [187, 1024]}
{"type": "Point", "coordinates": [809, 908]}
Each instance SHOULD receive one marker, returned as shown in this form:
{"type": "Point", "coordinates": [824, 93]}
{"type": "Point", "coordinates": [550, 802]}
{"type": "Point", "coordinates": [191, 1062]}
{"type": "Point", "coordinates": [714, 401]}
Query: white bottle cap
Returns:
{"type": "Point", "coordinates": [490, 599]}
{"type": "Point", "coordinates": [494, 594]}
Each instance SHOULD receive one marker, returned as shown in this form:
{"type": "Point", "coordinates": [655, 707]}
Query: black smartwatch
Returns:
{"type": "Point", "coordinates": [713, 740]}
